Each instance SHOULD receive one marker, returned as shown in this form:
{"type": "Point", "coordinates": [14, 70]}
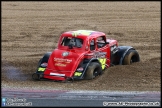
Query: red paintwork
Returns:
{"type": "Point", "coordinates": [70, 62]}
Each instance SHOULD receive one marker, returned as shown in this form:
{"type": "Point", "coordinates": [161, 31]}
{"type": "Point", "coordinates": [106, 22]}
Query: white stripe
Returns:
{"type": "Point", "coordinates": [57, 74]}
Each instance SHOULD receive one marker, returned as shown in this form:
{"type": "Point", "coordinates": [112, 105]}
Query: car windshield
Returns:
{"type": "Point", "coordinates": [75, 42]}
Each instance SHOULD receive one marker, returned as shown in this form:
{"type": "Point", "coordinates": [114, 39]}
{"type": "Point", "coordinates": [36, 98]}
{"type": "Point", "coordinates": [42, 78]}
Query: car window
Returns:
{"type": "Point", "coordinates": [76, 42]}
{"type": "Point", "coordinates": [101, 42]}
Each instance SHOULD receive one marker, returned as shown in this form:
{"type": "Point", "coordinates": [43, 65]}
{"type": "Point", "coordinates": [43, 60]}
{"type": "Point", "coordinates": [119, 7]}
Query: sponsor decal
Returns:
{"type": "Point", "coordinates": [44, 64]}
{"type": "Point", "coordinates": [60, 64]}
{"type": "Point", "coordinates": [80, 69]}
{"type": "Point", "coordinates": [62, 60]}
{"type": "Point", "coordinates": [114, 49]}
{"type": "Point", "coordinates": [100, 54]}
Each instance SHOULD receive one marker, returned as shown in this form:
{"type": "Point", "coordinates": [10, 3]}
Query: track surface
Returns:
{"type": "Point", "coordinates": [82, 98]}
{"type": "Point", "coordinates": [30, 29]}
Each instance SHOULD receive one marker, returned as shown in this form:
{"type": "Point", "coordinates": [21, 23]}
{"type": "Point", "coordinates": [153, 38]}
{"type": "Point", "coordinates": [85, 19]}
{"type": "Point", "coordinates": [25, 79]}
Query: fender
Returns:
{"type": "Point", "coordinates": [122, 51]}
{"type": "Point", "coordinates": [45, 58]}
{"type": "Point", "coordinates": [85, 65]}
{"type": "Point", "coordinates": [41, 68]}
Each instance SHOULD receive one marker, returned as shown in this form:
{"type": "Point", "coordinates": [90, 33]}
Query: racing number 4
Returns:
{"type": "Point", "coordinates": [103, 62]}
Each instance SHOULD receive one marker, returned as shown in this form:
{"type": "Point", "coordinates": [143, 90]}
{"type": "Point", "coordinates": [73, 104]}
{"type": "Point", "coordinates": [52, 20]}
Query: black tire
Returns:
{"type": "Point", "coordinates": [93, 70]}
{"type": "Point", "coordinates": [36, 76]}
{"type": "Point", "coordinates": [130, 57]}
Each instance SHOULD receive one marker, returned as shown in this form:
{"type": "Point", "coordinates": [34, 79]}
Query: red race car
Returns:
{"type": "Point", "coordinates": [83, 54]}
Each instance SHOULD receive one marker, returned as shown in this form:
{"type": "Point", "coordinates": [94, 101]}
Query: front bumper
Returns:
{"type": "Point", "coordinates": [40, 76]}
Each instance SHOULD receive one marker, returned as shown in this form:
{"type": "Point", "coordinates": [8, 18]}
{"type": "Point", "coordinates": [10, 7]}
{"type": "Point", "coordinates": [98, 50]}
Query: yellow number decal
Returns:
{"type": "Point", "coordinates": [83, 32]}
{"type": "Point", "coordinates": [77, 74]}
{"type": "Point", "coordinates": [103, 62]}
{"type": "Point", "coordinates": [41, 69]}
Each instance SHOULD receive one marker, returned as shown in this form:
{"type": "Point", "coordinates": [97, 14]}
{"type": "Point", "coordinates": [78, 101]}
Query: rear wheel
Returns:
{"type": "Point", "coordinates": [93, 70]}
{"type": "Point", "coordinates": [130, 57]}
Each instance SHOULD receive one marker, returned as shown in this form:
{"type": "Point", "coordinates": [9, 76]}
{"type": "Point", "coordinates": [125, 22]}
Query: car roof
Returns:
{"type": "Point", "coordinates": [83, 33]}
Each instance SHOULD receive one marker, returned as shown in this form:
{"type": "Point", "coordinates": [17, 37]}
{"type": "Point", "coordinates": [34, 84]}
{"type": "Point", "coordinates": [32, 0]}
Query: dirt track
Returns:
{"type": "Point", "coordinates": [30, 29]}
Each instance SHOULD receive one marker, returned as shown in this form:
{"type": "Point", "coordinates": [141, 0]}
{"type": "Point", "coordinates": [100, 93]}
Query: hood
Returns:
{"type": "Point", "coordinates": [63, 61]}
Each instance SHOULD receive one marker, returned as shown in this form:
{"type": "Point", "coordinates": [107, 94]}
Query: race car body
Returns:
{"type": "Point", "coordinates": [83, 54]}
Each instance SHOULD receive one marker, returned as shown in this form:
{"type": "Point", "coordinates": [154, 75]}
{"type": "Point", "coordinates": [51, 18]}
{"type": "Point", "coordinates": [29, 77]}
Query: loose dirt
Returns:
{"type": "Point", "coordinates": [30, 29]}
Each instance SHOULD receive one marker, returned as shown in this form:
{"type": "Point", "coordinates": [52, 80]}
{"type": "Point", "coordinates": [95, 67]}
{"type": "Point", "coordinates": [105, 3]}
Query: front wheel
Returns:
{"type": "Point", "coordinates": [36, 76]}
{"type": "Point", "coordinates": [130, 57]}
{"type": "Point", "coordinates": [93, 70]}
